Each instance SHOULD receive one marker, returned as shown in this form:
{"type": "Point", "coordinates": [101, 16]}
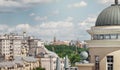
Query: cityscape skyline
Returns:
{"type": "Point", "coordinates": [67, 20]}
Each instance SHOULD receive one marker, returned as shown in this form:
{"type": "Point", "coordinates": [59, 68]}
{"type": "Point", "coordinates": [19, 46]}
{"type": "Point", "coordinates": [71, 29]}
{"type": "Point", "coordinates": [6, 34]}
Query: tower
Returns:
{"type": "Point", "coordinates": [54, 40]}
{"type": "Point", "coordinates": [24, 34]}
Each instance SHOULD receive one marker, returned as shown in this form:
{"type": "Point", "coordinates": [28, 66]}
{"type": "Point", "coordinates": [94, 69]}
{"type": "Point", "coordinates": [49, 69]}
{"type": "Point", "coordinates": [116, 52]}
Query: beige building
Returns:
{"type": "Point", "coordinates": [104, 46]}
{"type": "Point", "coordinates": [15, 49]}
{"type": "Point", "coordinates": [36, 46]}
{"type": "Point", "coordinates": [49, 60]}
{"type": "Point", "coordinates": [13, 45]}
{"type": "Point", "coordinates": [49, 63]}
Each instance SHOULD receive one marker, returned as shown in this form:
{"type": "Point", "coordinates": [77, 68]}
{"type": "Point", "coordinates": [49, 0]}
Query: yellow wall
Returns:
{"type": "Point", "coordinates": [102, 52]}
{"type": "Point", "coordinates": [85, 66]}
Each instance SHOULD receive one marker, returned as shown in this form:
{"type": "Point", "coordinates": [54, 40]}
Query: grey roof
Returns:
{"type": "Point", "coordinates": [29, 59]}
{"type": "Point", "coordinates": [18, 61]}
{"type": "Point", "coordinates": [7, 64]}
{"type": "Point", "coordinates": [109, 16]}
{"type": "Point", "coordinates": [53, 54]}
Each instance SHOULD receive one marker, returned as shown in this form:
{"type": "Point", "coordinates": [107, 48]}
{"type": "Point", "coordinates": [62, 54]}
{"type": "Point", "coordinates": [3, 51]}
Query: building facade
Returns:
{"type": "Point", "coordinates": [13, 45]}
{"type": "Point", "coordinates": [104, 46]}
{"type": "Point", "coordinates": [15, 52]}
{"type": "Point", "coordinates": [21, 52]}
{"type": "Point", "coordinates": [50, 63]}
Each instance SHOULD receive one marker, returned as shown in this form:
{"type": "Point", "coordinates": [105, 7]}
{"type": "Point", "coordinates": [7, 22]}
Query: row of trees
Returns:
{"type": "Point", "coordinates": [63, 50]}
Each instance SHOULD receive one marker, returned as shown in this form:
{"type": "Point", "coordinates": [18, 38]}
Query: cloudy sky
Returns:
{"type": "Point", "coordinates": [65, 19]}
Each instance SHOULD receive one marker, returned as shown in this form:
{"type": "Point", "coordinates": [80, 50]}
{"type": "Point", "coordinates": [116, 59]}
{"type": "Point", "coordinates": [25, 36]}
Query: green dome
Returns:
{"type": "Point", "coordinates": [109, 16]}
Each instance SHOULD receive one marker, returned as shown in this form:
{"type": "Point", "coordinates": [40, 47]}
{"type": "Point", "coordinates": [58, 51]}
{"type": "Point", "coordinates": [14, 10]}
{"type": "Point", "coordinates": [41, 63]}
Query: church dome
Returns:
{"type": "Point", "coordinates": [109, 16]}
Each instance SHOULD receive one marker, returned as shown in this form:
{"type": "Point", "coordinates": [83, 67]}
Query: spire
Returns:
{"type": "Point", "coordinates": [54, 38]}
{"type": "Point", "coordinates": [66, 63]}
{"type": "Point", "coordinates": [58, 64]}
{"type": "Point", "coordinates": [116, 2]}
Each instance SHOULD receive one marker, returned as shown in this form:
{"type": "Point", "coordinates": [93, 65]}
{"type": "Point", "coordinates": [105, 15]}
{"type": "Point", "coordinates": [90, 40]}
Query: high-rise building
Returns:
{"type": "Point", "coordinates": [15, 52]}
{"type": "Point", "coordinates": [13, 45]}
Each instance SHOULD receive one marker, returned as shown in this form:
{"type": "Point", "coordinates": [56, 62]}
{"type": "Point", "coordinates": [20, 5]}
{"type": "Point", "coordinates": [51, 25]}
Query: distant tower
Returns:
{"type": "Point", "coordinates": [24, 34]}
{"type": "Point", "coordinates": [24, 31]}
{"type": "Point", "coordinates": [54, 39]}
{"type": "Point", "coordinates": [35, 53]}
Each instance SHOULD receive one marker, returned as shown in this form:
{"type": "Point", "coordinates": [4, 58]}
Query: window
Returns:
{"type": "Point", "coordinates": [97, 62]}
{"type": "Point", "coordinates": [118, 36]}
{"type": "Point", "coordinates": [101, 37]}
{"type": "Point", "coordinates": [95, 37]}
{"type": "Point", "coordinates": [107, 36]}
{"type": "Point", "coordinates": [109, 58]}
{"type": "Point", "coordinates": [113, 36]}
{"type": "Point", "coordinates": [110, 62]}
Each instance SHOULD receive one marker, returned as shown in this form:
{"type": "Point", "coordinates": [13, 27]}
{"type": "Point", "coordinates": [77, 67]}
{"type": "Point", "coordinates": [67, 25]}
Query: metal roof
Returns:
{"type": "Point", "coordinates": [109, 16]}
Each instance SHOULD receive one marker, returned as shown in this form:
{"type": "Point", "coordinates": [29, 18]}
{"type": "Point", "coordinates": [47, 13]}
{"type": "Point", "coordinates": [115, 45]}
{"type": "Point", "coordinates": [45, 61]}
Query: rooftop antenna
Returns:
{"type": "Point", "coordinates": [116, 2]}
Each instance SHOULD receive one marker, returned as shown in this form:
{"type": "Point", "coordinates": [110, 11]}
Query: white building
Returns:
{"type": "Point", "coordinates": [36, 46]}
{"type": "Point", "coordinates": [49, 61]}
{"type": "Point", "coordinates": [13, 45]}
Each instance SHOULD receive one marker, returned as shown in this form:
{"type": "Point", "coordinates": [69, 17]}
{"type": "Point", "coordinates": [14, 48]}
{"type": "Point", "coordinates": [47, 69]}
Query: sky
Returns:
{"type": "Point", "coordinates": [65, 19]}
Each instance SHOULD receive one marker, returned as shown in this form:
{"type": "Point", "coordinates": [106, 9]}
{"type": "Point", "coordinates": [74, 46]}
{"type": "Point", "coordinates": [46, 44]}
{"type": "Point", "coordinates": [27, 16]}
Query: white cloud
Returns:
{"type": "Point", "coordinates": [69, 19]}
{"type": "Point", "coordinates": [23, 27]}
{"type": "Point", "coordinates": [106, 1]}
{"type": "Point", "coordinates": [3, 27]}
{"type": "Point", "coordinates": [80, 4]}
{"type": "Point", "coordinates": [62, 29]}
{"type": "Point", "coordinates": [36, 1]}
{"type": "Point", "coordinates": [58, 24]}
{"type": "Point", "coordinates": [9, 3]}
{"type": "Point", "coordinates": [88, 22]}
{"type": "Point", "coordinates": [39, 18]}
{"type": "Point", "coordinates": [56, 12]}
{"type": "Point", "coordinates": [32, 14]}
{"type": "Point", "coordinates": [12, 5]}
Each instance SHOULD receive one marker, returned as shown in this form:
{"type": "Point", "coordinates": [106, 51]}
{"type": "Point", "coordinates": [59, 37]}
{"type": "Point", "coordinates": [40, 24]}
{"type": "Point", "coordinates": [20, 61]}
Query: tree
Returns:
{"type": "Point", "coordinates": [71, 51]}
